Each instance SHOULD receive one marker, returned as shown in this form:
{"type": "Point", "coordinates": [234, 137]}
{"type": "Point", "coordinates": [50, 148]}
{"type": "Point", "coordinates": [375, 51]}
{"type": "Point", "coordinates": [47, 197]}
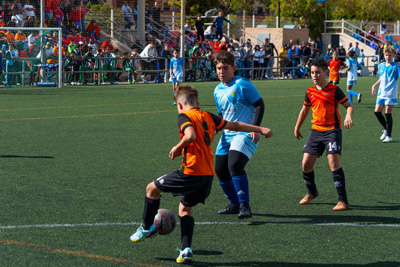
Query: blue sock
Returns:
{"type": "Point", "coordinates": [351, 94]}
{"type": "Point", "coordinates": [242, 187]}
{"type": "Point", "coordinates": [230, 192]}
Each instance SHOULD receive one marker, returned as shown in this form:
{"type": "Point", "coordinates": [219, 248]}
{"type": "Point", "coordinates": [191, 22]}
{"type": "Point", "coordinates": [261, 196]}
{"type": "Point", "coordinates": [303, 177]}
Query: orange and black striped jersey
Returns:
{"type": "Point", "coordinates": [334, 67]}
{"type": "Point", "coordinates": [198, 158]}
{"type": "Point", "coordinates": [325, 106]}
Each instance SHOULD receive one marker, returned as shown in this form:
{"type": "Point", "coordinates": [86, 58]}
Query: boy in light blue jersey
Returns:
{"type": "Point", "coordinates": [351, 69]}
{"type": "Point", "coordinates": [237, 100]}
{"type": "Point", "coordinates": [389, 73]}
{"type": "Point", "coordinates": [176, 71]}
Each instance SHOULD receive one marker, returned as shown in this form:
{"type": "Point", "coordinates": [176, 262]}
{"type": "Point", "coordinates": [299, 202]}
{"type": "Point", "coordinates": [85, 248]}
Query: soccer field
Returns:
{"type": "Point", "coordinates": [75, 163]}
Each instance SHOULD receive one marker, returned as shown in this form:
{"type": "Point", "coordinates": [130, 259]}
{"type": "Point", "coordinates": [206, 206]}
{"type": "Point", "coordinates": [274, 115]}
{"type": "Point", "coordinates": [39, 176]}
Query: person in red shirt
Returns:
{"type": "Point", "coordinates": [107, 43]}
{"type": "Point", "coordinates": [93, 29]}
{"type": "Point", "coordinates": [58, 14]}
{"type": "Point", "coordinates": [326, 132]}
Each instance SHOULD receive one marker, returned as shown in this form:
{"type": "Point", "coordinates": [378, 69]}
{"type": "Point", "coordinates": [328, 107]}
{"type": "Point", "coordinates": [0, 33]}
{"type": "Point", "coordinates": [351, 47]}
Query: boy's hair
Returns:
{"type": "Point", "coordinates": [320, 63]}
{"type": "Point", "coordinates": [351, 53]}
{"type": "Point", "coordinates": [187, 95]}
{"type": "Point", "coordinates": [135, 50]}
{"type": "Point", "coordinates": [225, 58]}
{"type": "Point", "coordinates": [126, 53]}
{"type": "Point", "coordinates": [389, 49]}
{"type": "Point", "coordinates": [176, 50]}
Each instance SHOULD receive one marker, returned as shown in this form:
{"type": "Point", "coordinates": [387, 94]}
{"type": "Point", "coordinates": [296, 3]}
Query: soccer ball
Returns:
{"type": "Point", "coordinates": [165, 221]}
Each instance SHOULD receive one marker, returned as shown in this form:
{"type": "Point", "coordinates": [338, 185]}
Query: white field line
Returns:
{"type": "Point", "coordinates": [3, 227]}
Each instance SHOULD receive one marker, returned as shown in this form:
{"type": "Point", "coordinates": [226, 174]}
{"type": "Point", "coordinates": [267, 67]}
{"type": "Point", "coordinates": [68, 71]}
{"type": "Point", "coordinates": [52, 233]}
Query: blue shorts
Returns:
{"type": "Point", "coordinates": [351, 82]}
{"type": "Point", "coordinates": [239, 142]}
{"type": "Point", "coordinates": [176, 79]}
{"type": "Point", "coordinates": [387, 102]}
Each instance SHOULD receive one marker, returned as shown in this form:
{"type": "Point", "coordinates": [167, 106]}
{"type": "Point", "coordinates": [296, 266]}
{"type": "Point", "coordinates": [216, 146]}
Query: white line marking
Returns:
{"type": "Point", "coordinates": [2, 227]}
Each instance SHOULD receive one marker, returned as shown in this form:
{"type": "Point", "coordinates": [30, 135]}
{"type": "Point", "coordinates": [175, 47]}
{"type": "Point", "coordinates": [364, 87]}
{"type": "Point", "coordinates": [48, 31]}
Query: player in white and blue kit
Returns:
{"type": "Point", "coordinates": [176, 70]}
{"type": "Point", "coordinates": [351, 69]}
{"type": "Point", "coordinates": [237, 100]}
{"type": "Point", "coordinates": [389, 73]}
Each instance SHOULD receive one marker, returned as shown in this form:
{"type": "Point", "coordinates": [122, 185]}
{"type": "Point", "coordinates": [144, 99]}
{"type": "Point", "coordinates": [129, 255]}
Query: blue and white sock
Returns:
{"type": "Point", "coordinates": [230, 192]}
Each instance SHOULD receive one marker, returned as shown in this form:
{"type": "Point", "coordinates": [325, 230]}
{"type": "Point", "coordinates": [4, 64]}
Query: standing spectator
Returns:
{"type": "Point", "coordinates": [149, 59]}
{"type": "Point", "coordinates": [127, 13]}
{"type": "Point", "coordinates": [342, 53]}
{"type": "Point", "coordinates": [6, 12]}
{"type": "Point", "coordinates": [293, 55]}
{"type": "Point", "coordinates": [58, 14]}
{"type": "Point", "coordinates": [164, 63]}
{"type": "Point", "coordinates": [135, 13]}
{"type": "Point", "coordinates": [66, 9]}
{"type": "Point", "coordinates": [75, 16]}
{"type": "Point", "coordinates": [258, 62]}
{"type": "Point", "coordinates": [17, 9]}
{"type": "Point", "coordinates": [269, 58]}
{"type": "Point", "coordinates": [383, 28]}
{"type": "Point", "coordinates": [357, 49]}
{"type": "Point", "coordinates": [219, 23]}
{"type": "Point", "coordinates": [199, 26]}
{"type": "Point", "coordinates": [240, 61]}
{"type": "Point", "coordinates": [83, 10]}
{"type": "Point", "coordinates": [156, 13]}
{"type": "Point", "coordinates": [147, 13]}
{"type": "Point", "coordinates": [29, 10]}
{"type": "Point", "coordinates": [319, 43]}
{"type": "Point", "coordinates": [10, 56]}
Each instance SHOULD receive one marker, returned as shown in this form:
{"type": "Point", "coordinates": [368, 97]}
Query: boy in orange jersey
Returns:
{"type": "Point", "coordinates": [334, 67]}
{"type": "Point", "coordinates": [326, 133]}
{"type": "Point", "coordinates": [193, 181]}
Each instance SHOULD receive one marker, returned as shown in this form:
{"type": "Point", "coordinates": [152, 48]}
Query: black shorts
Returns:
{"type": "Point", "coordinates": [193, 189]}
{"type": "Point", "coordinates": [318, 141]}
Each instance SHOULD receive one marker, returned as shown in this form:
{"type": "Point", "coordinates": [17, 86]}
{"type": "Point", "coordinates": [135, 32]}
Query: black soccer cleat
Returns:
{"type": "Point", "coordinates": [244, 211]}
{"type": "Point", "coordinates": [230, 209]}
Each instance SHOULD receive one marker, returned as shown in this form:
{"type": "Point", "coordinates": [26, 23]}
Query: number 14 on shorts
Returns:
{"type": "Point", "coordinates": [333, 146]}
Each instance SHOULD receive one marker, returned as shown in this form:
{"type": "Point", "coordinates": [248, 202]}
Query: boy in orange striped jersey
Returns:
{"type": "Point", "coordinates": [193, 181]}
{"type": "Point", "coordinates": [326, 133]}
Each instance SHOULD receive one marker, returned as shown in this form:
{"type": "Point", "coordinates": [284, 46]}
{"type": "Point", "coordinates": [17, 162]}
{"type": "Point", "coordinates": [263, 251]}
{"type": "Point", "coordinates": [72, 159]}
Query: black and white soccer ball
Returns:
{"type": "Point", "coordinates": [165, 221]}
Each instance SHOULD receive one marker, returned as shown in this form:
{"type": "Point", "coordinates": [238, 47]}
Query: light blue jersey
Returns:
{"type": "Point", "coordinates": [389, 77]}
{"type": "Point", "coordinates": [176, 65]}
{"type": "Point", "coordinates": [235, 102]}
{"type": "Point", "coordinates": [352, 72]}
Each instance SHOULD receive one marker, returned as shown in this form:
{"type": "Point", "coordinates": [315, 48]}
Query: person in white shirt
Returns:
{"type": "Point", "coordinates": [29, 9]}
{"type": "Point", "coordinates": [149, 59]}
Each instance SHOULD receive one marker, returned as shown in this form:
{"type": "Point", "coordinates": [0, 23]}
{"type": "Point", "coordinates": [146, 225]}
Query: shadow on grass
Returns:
{"type": "Point", "coordinates": [26, 157]}
{"type": "Point", "coordinates": [337, 217]}
{"type": "Point", "coordinates": [278, 264]}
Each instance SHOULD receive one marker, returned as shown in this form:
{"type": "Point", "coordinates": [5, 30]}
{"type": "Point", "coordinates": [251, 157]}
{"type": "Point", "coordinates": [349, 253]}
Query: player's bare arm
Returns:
{"type": "Point", "coordinates": [243, 127]}
{"type": "Point", "coordinates": [348, 121]}
{"type": "Point", "coordinates": [300, 120]}
{"type": "Point", "coordinates": [189, 137]}
{"type": "Point", "coordinates": [373, 91]}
